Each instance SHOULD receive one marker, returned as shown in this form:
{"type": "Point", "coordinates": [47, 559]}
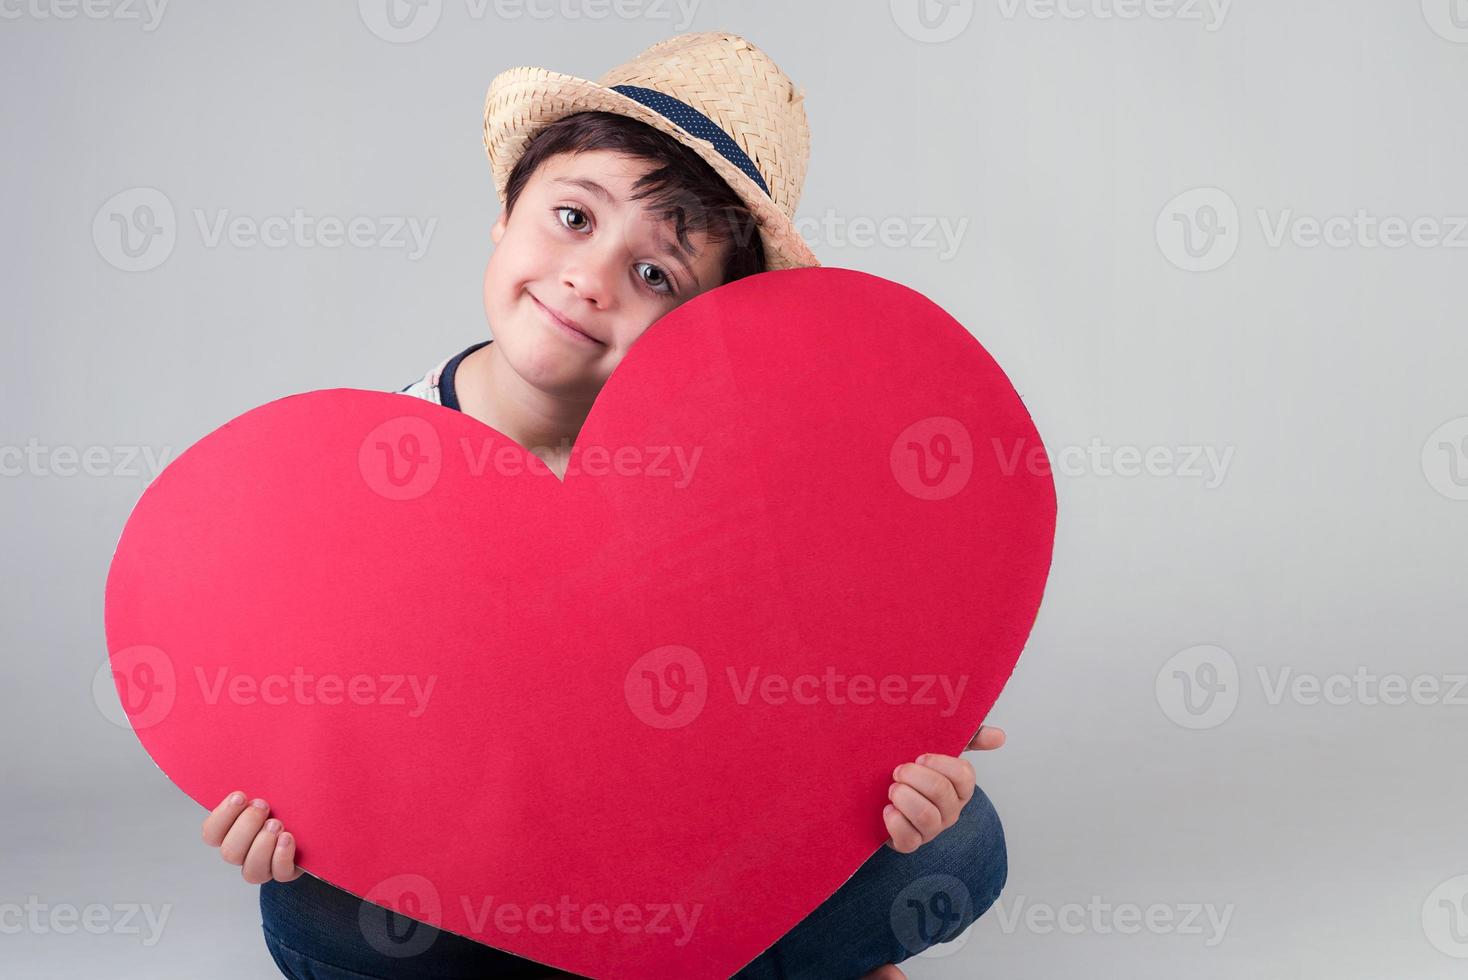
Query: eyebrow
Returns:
{"type": "Point", "coordinates": [671, 249]}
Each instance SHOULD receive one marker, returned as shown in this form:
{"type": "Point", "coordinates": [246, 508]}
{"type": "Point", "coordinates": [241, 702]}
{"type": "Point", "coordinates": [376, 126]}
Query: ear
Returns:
{"type": "Point", "coordinates": [498, 231]}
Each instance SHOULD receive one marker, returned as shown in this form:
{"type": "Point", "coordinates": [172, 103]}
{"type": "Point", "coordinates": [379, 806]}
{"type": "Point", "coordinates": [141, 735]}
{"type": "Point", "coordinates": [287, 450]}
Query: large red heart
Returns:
{"type": "Point", "coordinates": [638, 723]}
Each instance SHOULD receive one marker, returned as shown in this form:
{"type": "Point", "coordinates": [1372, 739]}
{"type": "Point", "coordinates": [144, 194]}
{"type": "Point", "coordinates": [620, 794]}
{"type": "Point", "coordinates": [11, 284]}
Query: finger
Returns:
{"type": "Point", "coordinates": [987, 737]}
{"type": "Point", "coordinates": [237, 842]}
{"type": "Point", "coordinates": [958, 772]}
{"type": "Point", "coordinates": [256, 869]}
{"type": "Point", "coordinates": [918, 809]}
{"type": "Point", "coordinates": [905, 837]}
{"type": "Point", "coordinates": [933, 783]}
{"type": "Point", "coordinates": [283, 863]}
{"type": "Point", "coordinates": [221, 818]}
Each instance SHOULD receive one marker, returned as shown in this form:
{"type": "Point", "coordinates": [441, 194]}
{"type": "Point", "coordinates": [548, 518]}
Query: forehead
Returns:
{"type": "Point", "coordinates": [595, 172]}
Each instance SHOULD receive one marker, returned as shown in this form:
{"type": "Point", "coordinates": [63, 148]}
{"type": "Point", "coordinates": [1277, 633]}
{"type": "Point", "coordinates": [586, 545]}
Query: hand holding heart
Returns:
{"type": "Point", "coordinates": [928, 795]}
{"type": "Point", "coordinates": [926, 800]}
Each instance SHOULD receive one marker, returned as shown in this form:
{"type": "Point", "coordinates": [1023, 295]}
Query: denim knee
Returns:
{"type": "Point", "coordinates": [983, 858]}
{"type": "Point", "coordinates": [954, 879]}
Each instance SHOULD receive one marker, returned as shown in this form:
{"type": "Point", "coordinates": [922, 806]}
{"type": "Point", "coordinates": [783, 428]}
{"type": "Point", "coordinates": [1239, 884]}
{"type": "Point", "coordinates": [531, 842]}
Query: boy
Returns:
{"type": "Point", "coordinates": [623, 199]}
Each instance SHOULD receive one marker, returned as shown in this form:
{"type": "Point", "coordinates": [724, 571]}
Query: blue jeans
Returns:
{"type": "Point", "coordinates": [895, 905]}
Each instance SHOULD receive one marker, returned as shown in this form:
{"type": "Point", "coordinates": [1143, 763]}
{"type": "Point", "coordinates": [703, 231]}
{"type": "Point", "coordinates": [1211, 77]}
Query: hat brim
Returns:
{"type": "Point", "coordinates": [522, 101]}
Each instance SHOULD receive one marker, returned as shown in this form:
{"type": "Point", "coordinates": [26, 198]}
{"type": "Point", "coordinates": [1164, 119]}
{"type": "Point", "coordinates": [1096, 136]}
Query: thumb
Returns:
{"type": "Point", "coordinates": [988, 737]}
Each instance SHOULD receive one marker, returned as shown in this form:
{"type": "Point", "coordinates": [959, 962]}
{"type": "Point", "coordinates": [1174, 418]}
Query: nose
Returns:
{"type": "Point", "coordinates": [591, 274]}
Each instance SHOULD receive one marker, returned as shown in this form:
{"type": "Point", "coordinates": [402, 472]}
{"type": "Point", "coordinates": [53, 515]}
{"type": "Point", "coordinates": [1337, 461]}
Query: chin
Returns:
{"type": "Point", "coordinates": [543, 361]}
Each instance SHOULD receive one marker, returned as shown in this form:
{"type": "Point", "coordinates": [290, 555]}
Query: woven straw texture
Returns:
{"type": "Point", "coordinates": [723, 76]}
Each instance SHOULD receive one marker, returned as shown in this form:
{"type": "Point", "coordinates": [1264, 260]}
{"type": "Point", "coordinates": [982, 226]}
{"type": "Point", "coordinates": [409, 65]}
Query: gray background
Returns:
{"type": "Point", "coordinates": [1332, 376]}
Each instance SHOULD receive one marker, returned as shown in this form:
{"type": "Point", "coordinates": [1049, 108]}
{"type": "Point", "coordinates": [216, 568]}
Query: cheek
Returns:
{"type": "Point", "coordinates": [489, 296]}
{"type": "Point", "coordinates": [501, 276]}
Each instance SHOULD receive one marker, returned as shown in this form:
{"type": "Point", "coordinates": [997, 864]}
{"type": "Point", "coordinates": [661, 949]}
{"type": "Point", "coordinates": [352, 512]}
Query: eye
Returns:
{"type": "Point", "coordinates": [659, 282]}
{"type": "Point", "coordinates": [576, 211]}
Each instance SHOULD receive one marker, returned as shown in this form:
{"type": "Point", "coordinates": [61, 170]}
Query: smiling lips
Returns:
{"type": "Point", "coordinates": [569, 326]}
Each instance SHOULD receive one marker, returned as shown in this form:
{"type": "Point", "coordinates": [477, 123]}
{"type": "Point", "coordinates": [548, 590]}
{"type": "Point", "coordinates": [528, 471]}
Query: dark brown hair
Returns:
{"type": "Point", "coordinates": [681, 188]}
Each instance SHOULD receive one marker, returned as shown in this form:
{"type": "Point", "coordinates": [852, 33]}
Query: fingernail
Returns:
{"type": "Point", "coordinates": [891, 791]}
{"type": "Point", "coordinates": [888, 811]}
{"type": "Point", "coordinates": [922, 760]}
{"type": "Point", "coordinates": [283, 840]}
{"type": "Point", "coordinates": [896, 771]}
{"type": "Point", "coordinates": [272, 825]}
{"type": "Point", "coordinates": [261, 804]}
{"type": "Point", "coordinates": [235, 799]}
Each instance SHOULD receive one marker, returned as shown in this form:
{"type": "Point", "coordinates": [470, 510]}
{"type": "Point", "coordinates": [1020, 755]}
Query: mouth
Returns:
{"type": "Point", "coordinates": [566, 325]}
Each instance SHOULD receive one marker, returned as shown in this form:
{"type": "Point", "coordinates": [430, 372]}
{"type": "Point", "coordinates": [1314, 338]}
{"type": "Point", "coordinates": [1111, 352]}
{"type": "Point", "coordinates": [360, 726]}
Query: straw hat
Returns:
{"type": "Point", "coordinates": [715, 92]}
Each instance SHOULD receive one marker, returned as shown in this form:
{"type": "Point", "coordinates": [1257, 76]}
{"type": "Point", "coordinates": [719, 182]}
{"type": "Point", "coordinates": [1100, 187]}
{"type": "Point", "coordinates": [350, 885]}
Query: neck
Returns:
{"type": "Point", "coordinates": [547, 425]}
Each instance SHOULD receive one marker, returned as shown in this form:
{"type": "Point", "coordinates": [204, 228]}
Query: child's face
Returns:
{"type": "Point", "coordinates": [596, 261]}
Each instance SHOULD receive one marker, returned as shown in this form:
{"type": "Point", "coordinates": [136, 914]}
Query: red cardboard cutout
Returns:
{"type": "Point", "coordinates": [636, 724]}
